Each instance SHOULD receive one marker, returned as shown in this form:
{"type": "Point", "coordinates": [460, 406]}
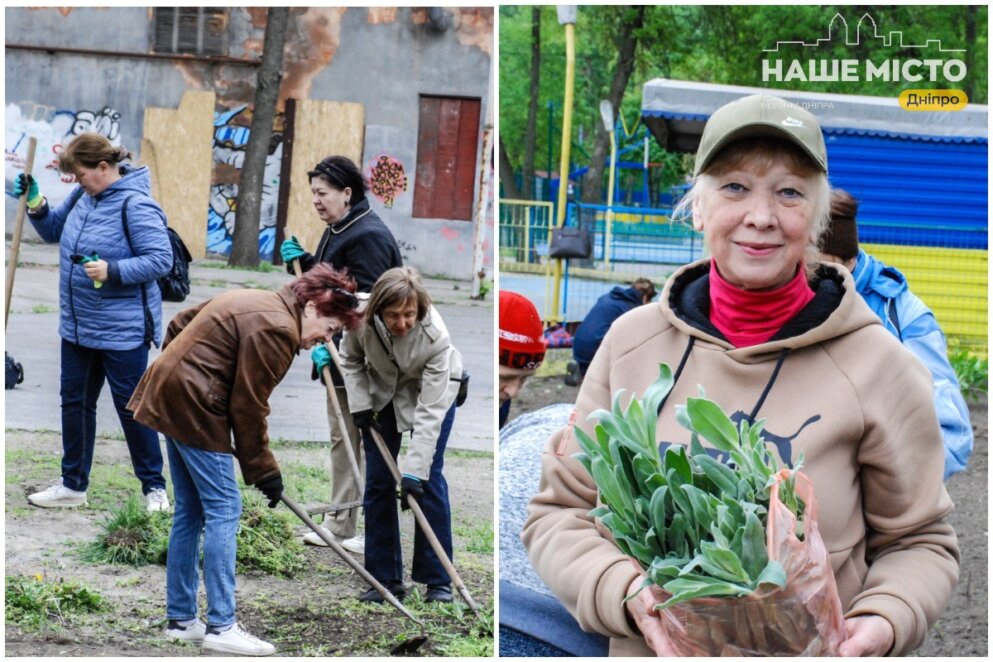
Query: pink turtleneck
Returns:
{"type": "Point", "coordinates": [748, 317]}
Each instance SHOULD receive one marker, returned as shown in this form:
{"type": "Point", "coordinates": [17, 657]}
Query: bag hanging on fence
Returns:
{"type": "Point", "coordinates": [570, 243]}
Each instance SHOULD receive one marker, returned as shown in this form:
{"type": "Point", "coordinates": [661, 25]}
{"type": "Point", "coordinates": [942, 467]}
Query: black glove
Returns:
{"type": "Point", "coordinates": [414, 487]}
{"type": "Point", "coordinates": [272, 487]}
{"type": "Point", "coordinates": [366, 419]}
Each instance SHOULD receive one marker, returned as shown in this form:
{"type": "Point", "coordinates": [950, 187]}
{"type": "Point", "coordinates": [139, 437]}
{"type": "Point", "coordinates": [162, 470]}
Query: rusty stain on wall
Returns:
{"type": "Point", "coordinates": [474, 27]}
{"type": "Point", "coordinates": [379, 15]}
{"type": "Point", "coordinates": [310, 49]}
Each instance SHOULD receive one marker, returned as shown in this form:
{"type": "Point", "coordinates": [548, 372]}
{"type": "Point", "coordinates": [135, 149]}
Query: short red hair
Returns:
{"type": "Point", "coordinates": [332, 292]}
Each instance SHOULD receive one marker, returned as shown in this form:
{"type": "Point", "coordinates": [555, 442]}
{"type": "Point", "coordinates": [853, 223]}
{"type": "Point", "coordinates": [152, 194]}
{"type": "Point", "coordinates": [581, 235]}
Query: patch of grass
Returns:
{"type": "Point", "coordinates": [266, 542]}
{"type": "Point", "coordinates": [264, 267]}
{"type": "Point", "coordinates": [478, 538]}
{"type": "Point", "coordinates": [131, 536]}
{"type": "Point", "coordinates": [34, 603]}
{"type": "Point", "coordinates": [253, 285]}
{"type": "Point", "coordinates": [43, 308]}
{"type": "Point", "coordinates": [972, 372]}
{"type": "Point", "coordinates": [555, 362]}
{"type": "Point", "coordinates": [306, 483]}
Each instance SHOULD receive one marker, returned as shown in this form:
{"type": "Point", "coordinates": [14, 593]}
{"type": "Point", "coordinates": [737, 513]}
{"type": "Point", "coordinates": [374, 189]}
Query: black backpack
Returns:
{"type": "Point", "coordinates": [175, 285]}
{"type": "Point", "coordinates": [13, 373]}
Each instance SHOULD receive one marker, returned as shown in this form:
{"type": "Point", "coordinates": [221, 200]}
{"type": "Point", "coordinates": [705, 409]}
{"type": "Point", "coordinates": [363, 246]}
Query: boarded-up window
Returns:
{"type": "Point", "coordinates": [190, 30]}
{"type": "Point", "coordinates": [448, 133]}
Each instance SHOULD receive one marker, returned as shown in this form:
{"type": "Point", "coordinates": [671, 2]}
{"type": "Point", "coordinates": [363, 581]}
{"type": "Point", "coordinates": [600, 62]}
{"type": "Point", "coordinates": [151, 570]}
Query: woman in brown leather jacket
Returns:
{"type": "Point", "coordinates": [208, 394]}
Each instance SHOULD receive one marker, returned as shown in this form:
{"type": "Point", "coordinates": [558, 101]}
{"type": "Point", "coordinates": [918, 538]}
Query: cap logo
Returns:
{"type": "Point", "coordinates": [792, 121]}
{"type": "Point", "coordinates": [516, 337]}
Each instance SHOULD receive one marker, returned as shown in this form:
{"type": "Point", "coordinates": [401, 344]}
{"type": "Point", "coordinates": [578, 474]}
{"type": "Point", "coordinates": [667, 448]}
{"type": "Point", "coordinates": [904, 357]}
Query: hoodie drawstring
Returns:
{"type": "Point", "coordinates": [679, 371]}
{"type": "Point", "coordinates": [768, 386]}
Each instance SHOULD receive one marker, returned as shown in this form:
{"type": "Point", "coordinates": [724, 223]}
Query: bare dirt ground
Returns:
{"type": "Point", "coordinates": [313, 613]}
{"type": "Point", "coordinates": [963, 629]}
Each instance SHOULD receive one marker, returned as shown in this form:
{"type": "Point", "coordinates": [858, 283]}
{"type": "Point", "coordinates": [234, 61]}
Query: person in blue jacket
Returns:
{"type": "Point", "coordinates": [110, 307]}
{"type": "Point", "coordinates": [904, 315]}
{"type": "Point", "coordinates": [594, 326]}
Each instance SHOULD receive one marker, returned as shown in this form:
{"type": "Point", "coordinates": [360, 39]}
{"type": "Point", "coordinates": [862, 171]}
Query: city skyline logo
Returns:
{"type": "Point", "coordinates": [936, 61]}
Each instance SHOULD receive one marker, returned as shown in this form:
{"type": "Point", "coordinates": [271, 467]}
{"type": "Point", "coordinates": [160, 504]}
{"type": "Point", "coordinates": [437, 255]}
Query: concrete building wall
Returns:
{"type": "Point", "coordinates": [383, 58]}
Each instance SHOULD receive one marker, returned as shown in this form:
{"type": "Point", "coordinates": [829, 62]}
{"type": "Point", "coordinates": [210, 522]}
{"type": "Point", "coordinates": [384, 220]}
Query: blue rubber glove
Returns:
{"type": "Point", "coordinates": [26, 182]}
{"type": "Point", "coordinates": [92, 258]}
{"type": "Point", "coordinates": [413, 486]}
{"type": "Point", "coordinates": [291, 250]}
{"type": "Point", "coordinates": [321, 358]}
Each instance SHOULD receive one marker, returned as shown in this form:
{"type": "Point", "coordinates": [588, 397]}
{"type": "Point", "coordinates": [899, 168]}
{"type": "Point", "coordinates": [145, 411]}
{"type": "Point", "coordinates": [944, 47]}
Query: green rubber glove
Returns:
{"type": "Point", "coordinates": [321, 358]}
{"type": "Point", "coordinates": [27, 183]}
{"type": "Point", "coordinates": [291, 250]}
{"type": "Point", "coordinates": [92, 258]}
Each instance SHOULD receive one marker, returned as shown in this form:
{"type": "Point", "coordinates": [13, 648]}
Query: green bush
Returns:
{"type": "Point", "coordinates": [132, 536]}
{"type": "Point", "coordinates": [33, 603]}
{"type": "Point", "coordinates": [971, 371]}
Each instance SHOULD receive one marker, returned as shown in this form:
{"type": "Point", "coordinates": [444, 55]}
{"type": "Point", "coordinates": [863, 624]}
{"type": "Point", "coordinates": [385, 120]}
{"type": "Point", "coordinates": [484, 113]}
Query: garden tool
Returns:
{"type": "Point", "coordinates": [14, 374]}
{"type": "Point", "coordinates": [416, 508]}
{"type": "Point", "coordinates": [340, 551]}
{"type": "Point", "coordinates": [425, 527]}
{"type": "Point", "coordinates": [333, 396]}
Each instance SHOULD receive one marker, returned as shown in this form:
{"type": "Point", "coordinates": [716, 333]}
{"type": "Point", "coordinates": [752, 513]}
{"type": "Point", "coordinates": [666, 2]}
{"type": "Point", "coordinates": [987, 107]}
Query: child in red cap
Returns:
{"type": "Point", "coordinates": [522, 346]}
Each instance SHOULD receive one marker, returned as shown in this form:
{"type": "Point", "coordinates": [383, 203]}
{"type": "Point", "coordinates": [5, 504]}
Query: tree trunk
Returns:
{"type": "Point", "coordinates": [248, 207]}
{"type": "Point", "coordinates": [626, 44]}
{"type": "Point", "coordinates": [530, 136]}
{"type": "Point", "coordinates": [507, 175]}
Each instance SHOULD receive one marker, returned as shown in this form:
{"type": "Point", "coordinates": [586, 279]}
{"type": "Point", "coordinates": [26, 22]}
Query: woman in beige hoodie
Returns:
{"type": "Point", "coordinates": [772, 334]}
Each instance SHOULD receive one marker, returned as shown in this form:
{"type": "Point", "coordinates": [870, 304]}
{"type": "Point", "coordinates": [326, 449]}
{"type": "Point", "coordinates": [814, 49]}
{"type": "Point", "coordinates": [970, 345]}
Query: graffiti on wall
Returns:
{"type": "Point", "coordinates": [231, 131]}
{"type": "Point", "coordinates": [53, 128]}
{"type": "Point", "coordinates": [387, 179]}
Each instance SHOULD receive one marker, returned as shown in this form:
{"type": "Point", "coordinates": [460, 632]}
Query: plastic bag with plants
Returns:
{"type": "Point", "coordinates": [731, 551]}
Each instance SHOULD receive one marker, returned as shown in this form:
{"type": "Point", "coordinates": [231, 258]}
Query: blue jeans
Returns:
{"type": "Point", "coordinates": [206, 498]}
{"type": "Point", "coordinates": [383, 555]}
{"type": "Point", "coordinates": [83, 373]}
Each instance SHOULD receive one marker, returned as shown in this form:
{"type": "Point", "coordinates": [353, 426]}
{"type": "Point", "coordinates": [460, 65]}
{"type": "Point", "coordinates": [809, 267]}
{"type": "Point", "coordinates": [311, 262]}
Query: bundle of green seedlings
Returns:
{"type": "Point", "coordinates": [695, 525]}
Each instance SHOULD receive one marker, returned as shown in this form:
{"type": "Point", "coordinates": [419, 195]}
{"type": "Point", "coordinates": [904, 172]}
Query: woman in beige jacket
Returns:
{"type": "Point", "coordinates": [402, 373]}
{"type": "Point", "coordinates": [771, 334]}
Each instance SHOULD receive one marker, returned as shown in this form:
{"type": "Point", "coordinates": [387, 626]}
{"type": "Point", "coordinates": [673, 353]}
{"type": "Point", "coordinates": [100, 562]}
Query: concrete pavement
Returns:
{"type": "Point", "coordinates": [297, 405]}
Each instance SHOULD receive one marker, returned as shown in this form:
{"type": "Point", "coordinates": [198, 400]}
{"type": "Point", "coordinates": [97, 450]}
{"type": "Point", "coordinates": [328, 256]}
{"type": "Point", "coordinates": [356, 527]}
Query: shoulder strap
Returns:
{"type": "Point", "coordinates": [144, 293]}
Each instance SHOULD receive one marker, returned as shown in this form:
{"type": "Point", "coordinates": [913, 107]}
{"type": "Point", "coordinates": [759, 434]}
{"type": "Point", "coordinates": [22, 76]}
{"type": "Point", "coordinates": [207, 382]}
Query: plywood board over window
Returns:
{"type": "Point", "coordinates": [447, 140]}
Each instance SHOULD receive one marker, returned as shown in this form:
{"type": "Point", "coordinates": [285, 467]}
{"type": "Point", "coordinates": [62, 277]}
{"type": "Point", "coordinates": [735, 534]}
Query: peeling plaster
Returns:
{"type": "Point", "coordinates": [310, 49]}
{"type": "Point", "coordinates": [474, 27]}
{"type": "Point", "coordinates": [378, 15]}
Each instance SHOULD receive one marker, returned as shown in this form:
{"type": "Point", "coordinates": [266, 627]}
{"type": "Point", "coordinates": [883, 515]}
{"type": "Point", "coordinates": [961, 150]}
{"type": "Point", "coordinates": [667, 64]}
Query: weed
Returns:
{"type": "Point", "coordinates": [478, 537]}
{"type": "Point", "coordinates": [971, 371]}
{"type": "Point", "coordinates": [131, 536]}
{"type": "Point", "coordinates": [43, 308]}
{"type": "Point", "coordinates": [266, 542]}
{"type": "Point", "coordinates": [33, 602]}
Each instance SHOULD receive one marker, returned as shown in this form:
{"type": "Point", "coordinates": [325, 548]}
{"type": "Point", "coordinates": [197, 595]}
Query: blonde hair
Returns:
{"type": "Point", "coordinates": [397, 286]}
{"type": "Point", "coordinates": [762, 154]}
{"type": "Point", "coordinates": [89, 150]}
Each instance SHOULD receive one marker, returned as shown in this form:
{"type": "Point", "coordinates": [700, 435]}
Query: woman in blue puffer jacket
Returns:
{"type": "Point", "coordinates": [110, 307]}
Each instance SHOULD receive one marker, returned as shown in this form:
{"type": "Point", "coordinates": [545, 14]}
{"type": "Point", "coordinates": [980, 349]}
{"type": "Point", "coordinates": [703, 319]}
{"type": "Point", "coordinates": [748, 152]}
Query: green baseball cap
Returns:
{"type": "Point", "coordinates": [761, 115]}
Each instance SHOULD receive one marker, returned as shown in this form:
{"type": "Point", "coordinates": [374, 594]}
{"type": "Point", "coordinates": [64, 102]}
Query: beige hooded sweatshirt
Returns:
{"type": "Point", "coordinates": [834, 385]}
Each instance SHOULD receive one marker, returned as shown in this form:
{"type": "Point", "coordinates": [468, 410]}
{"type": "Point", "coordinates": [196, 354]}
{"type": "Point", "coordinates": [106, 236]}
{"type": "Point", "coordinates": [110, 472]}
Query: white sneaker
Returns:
{"type": "Point", "coordinates": [157, 500]}
{"type": "Point", "coordinates": [355, 545]}
{"type": "Point", "coordinates": [193, 632]}
{"type": "Point", "coordinates": [236, 640]}
{"type": "Point", "coordinates": [313, 539]}
{"type": "Point", "coordinates": [58, 496]}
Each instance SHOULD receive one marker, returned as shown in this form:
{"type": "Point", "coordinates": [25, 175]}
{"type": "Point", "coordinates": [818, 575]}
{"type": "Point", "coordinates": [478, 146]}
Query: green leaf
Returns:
{"type": "Point", "coordinates": [722, 475]}
{"type": "Point", "coordinates": [754, 555]}
{"type": "Point", "coordinates": [774, 573]}
{"type": "Point", "coordinates": [723, 563]}
{"type": "Point", "coordinates": [660, 388]}
{"type": "Point", "coordinates": [584, 460]}
{"type": "Point", "coordinates": [590, 447]}
{"type": "Point", "coordinates": [675, 458]}
{"type": "Point", "coordinates": [702, 514]}
{"type": "Point", "coordinates": [660, 508]}
{"type": "Point", "coordinates": [599, 512]}
{"type": "Point", "coordinates": [709, 421]}
{"type": "Point", "coordinates": [686, 588]}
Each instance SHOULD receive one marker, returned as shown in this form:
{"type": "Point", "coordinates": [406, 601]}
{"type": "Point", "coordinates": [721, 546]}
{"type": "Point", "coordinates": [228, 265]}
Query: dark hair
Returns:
{"type": "Point", "coordinates": [645, 288]}
{"type": "Point", "coordinates": [395, 286]}
{"type": "Point", "coordinates": [341, 172]}
{"type": "Point", "coordinates": [89, 150]}
{"type": "Point", "coordinates": [841, 239]}
{"type": "Point", "coordinates": [333, 293]}
{"type": "Point", "coordinates": [843, 205]}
